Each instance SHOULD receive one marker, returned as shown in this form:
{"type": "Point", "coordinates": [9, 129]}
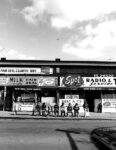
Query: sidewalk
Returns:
{"type": "Point", "coordinates": [28, 115]}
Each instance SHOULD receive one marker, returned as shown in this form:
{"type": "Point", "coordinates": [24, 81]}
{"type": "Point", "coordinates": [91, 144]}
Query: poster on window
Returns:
{"type": "Point", "coordinates": [108, 105]}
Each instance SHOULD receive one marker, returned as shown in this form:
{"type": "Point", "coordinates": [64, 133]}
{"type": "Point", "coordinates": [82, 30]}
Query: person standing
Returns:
{"type": "Point", "coordinates": [86, 109]}
{"type": "Point", "coordinates": [99, 107]}
{"type": "Point", "coordinates": [62, 109]}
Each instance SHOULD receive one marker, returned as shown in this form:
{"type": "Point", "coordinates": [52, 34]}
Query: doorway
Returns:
{"type": "Point", "coordinates": [90, 96]}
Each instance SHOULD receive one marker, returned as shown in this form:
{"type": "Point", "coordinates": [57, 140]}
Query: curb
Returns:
{"type": "Point", "coordinates": [52, 118]}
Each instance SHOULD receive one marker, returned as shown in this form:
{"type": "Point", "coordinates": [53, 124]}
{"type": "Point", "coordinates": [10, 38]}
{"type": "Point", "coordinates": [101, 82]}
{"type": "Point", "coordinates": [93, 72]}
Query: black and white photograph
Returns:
{"type": "Point", "coordinates": [57, 74]}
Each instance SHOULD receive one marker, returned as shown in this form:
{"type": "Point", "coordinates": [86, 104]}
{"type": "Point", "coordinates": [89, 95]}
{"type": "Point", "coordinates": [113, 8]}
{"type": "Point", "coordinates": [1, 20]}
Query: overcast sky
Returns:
{"type": "Point", "coordinates": [66, 29]}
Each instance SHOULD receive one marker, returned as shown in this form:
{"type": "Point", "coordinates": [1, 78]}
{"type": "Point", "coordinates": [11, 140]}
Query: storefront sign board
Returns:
{"type": "Point", "coordinates": [108, 105]}
{"type": "Point", "coordinates": [21, 70]}
{"type": "Point", "coordinates": [3, 80]}
{"type": "Point", "coordinates": [93, 82]}
{"type": "Point", "coordinates": [47, 81]}
{"type": "Point", "coordinates": [21, 80]}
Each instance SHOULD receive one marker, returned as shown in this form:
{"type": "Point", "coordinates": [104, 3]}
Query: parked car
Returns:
{"type": "Point", "coordinates": [105, 137]}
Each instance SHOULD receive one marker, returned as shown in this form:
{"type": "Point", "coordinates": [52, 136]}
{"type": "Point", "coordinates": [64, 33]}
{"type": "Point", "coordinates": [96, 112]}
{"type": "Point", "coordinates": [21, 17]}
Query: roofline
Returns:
{"type": "Point", "coordinates": [56, 62]}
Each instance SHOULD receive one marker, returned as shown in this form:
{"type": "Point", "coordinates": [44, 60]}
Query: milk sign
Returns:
{"type": "Point", "coordinates": [72, 81]}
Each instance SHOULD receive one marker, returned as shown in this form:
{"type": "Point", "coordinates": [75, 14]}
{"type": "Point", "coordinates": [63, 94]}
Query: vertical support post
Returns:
{"type": "Point", "coordinates": [35, 97]}
{"type": "Point", "coordinates": [4, 103]}
{"type": "Point", "coordinates": [57, 96]}
{"type": "Point", "coordinates": [13, 99]}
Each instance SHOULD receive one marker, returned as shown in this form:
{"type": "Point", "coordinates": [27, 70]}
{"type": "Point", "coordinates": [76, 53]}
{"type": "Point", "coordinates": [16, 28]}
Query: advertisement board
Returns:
{"type": "Point", "coordinates": [71, 96]}
{"type": "Point", "coordinates": [21, 70]}
{"type": "Point", "coordinates": [3, 80]}
{"type": "Point", "coordinates": [72, 101]}
{"type": "Point", "coordinates": [21, 80]}
{"type": "Point", "coordinates": [47, 81]}
{"type": "Point", "coordinates": [88, 81]}
{"type": "Point", "coordinates": [23, 107]}
{"type": "Point", "coordinates": [108, 105]}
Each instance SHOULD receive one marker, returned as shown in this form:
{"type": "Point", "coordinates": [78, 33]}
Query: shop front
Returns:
{"type": "Point", "coordinates": [23, 92]}
{"type": "Point", "coordinates": [93, 90]}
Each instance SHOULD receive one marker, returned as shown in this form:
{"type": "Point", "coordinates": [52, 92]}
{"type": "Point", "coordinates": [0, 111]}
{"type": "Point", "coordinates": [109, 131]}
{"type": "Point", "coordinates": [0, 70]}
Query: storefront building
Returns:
{"type": "Point", "coordinates": [58, 81]}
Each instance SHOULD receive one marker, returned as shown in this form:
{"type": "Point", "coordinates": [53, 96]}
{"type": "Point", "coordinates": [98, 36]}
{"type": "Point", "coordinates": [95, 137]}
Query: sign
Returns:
{"type": "Point", "coordinates": [47, 81]}
{"type": "Point", "coordinates": [72, 81]}
{"type": "Point", "coordinates": [46, 70]}
{"type": "Point", "coordinates": [88, 82]}
{"type": "Point", "coordinates": [71, 96]}
{"type": "Point", "coordinates": [21, 70]}
{"type": "Point", "coordinates": [99, 82]}
{"type": "Point", "coordinates": [72, 101]}
{"type": "Point", "coordinates": [108, 105]}
{"type": "Point", "coordinates": [21, 80]}
{"type": "Point", "coordinates": [3, 80]}
{"type": "Point", "coordinates": [23, 107]}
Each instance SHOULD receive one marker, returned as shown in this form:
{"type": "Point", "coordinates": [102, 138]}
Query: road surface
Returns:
{"type": "Point", "coordinates": [49, 134]}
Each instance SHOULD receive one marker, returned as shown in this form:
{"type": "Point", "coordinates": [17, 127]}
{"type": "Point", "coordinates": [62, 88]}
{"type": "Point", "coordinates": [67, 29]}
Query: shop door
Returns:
{"type": "Point", "coordinates": [90, 96]}
{"type": "Point", "coordinates": [8, 100]}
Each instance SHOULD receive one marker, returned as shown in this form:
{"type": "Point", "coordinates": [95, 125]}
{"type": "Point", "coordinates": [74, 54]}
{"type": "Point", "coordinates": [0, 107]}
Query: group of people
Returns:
{"type": "Point", "coordinates": [70, 110]}
{"type": "Point", "coordinates": [57, 110]}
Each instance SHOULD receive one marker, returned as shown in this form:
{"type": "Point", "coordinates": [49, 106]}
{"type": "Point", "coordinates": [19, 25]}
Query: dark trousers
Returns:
{"type": "Point", "coordinates": [62, 113]}
{"type": "Point", "coordinates": [56, 112]}
{"type": "Point", "coordinates": [69, 112]}
{"type": "Point", "coordinates": [76, 113]}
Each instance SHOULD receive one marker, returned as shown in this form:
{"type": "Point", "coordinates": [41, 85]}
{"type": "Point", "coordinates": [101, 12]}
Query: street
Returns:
{"type": "Point", "coordinates": [49, 134]}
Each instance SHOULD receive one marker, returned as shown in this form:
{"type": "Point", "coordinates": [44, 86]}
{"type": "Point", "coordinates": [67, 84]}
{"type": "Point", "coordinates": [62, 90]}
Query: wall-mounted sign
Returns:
{"type": "Point", "coordinates": [21, 70]}
{"type": "Point", "coordinates": [72, 81]}
{"type": "Point", "coordinates": [21, 80]}
{"type": "Point", "coordinates": [46, 70]}
{"type": "Point", "coordinates": [88, 82]}
{"type": "Point", "coordinates": [47, 81]}
{"type": "Point", "coordinates": [3, 80]}
{"type": "Point", "coordinates": [99, 82]}
{"type": "Point", "coordinates": [108, 105]}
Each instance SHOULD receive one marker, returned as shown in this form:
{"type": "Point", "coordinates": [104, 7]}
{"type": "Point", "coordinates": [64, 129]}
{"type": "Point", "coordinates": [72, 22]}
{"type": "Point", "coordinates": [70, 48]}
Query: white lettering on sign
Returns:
{"type": "Point", "coordinates": [72, 81]}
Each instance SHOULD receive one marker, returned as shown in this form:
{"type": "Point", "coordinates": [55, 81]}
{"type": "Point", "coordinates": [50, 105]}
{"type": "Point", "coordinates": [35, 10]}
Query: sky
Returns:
{"type": "Point", "coordinates": [80, 30]}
